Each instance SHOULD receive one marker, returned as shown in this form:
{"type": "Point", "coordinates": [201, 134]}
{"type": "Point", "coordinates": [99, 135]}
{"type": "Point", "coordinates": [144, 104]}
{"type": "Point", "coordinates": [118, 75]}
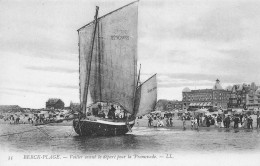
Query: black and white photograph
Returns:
{"type": "Point", "coordinates": [130, 82]}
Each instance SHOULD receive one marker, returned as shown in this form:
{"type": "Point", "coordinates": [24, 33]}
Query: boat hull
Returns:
{"type": "Point", "coordinates": [87, 127]}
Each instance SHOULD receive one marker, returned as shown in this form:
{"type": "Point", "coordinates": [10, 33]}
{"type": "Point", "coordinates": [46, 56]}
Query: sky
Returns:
{"type": "Point", "coordinates": [188, 43]}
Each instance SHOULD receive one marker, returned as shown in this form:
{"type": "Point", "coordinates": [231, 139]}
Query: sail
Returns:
{"type": "Point", "coordinates": [113, 68]}
{"type": "Point", "coordinates": [146, 97]}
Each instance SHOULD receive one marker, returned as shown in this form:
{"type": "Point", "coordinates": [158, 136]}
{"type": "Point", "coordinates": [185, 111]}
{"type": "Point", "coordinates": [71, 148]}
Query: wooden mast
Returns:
{"type": "Point", "coordinates": [87, 78]}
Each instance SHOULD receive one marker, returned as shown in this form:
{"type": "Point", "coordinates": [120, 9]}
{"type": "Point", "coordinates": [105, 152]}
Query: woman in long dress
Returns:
{"type": "Point", "coordinates": [245, 122]}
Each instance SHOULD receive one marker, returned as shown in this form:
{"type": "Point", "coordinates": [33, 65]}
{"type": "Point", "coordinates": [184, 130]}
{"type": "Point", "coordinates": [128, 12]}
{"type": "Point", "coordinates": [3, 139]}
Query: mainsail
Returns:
{"type": "Point", "coordinates": [113, 68]}
{"type": "Point", "coordinates": [146, 97]}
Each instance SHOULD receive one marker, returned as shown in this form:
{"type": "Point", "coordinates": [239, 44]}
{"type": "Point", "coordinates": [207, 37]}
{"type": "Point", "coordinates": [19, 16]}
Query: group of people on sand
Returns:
{"type": "Point", "coordinates": [239, 120]}
{"type": "Point", "coordinates": [18, 120]}
{"type": "Point", "coordinates": [202, 120]}
{"type": "Point", "coordinates": [34, 119]}
{"type": "Point", "coordinates": [221, 121]}
{"type": "Point", "coordinates": [157, 121]}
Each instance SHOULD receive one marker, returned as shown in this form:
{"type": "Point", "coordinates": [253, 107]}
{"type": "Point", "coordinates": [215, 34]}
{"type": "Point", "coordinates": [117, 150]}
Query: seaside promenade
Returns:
{"type": "Point", "coordinates": [7, 128]}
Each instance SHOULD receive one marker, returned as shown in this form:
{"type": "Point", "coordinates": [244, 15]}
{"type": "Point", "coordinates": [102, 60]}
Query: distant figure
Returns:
{"type": "Point", "coordinates": [245, 122]}
{"type": "Point", "coordinates": [258, 121]}
{"type": "Point", "coordinates": [228, 120]}
{"type": "Point", "coordinates": [150, 121]}
{"type": "Point", "coordinates": [207, 119]}
{"type": "Point", "coordinates": [219, 120]}
{"type": "Point", "coordinates": [95, 111]}
{"type": "Point", "coordinates": [250, 123]}
{"type": "Point", "coordinates": [29, 120]}
{"type": "Point", "coordinates": [196, 123]}
{"type": "Point", "coordinates": [241, 119]}
{"type": "Point", "coordinates": [17, 120]}
{"type": "Point", "coordinates": [236, 121]}
{"type": "Point", "coordinates": [198, 120]}
{"type": "Point", "coordinates": [224, 121]}
{"type": "Point", "coordinates": [167, 121]}
{"type": "Point", "coordinates": [184, 122]}
{"type": "Point", "coordinates": [171, 121]}
{"type": "Point", "coordinates": [154, 122]}
{"type": "Point", "coordinates": [12, 119]}
{"type": "Point", "coordinates": [111, 112]}
{"type": "Point", "coordinates": [192, 120]}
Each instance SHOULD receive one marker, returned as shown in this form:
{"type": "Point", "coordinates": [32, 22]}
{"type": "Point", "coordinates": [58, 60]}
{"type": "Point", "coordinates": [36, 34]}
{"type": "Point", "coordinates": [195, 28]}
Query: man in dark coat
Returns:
{"type": "Point", "coordinates": [250, 122]}
{"type": "Point", "coordinates": [236, 121]}
{"type": "Point", "coordinates": [111, 112]}
{"type": "Point", "coordinates": [227, 119]}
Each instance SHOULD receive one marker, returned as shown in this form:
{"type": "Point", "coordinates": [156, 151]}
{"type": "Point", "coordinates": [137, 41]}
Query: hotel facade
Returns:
{"type": "Point", "coordinates": [217, 97]}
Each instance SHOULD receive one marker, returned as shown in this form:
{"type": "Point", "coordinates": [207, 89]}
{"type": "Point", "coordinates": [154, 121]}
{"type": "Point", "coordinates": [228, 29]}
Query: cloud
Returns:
{"type": "Point", "coordinates": [219, 25]}
{"type": "Point", "coordinates": [52, 69]}
{"type": "Point", "coordinates": [17, 90]}
{"type": "Point", "coordinates": [184, 84]}
{"type": "Point", "coordinates": [62, 86]}
{"type": "Point", "coordinates": [196, 79]}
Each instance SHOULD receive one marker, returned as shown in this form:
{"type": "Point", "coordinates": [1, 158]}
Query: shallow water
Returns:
{"type": "Point", "coordinates": [62, 139]}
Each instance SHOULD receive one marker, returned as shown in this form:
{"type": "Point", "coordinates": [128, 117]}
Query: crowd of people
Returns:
{"type": "Point", "coordinates": [157, 120]}
{"type": "Point", "coordinates": [33, 119]}
{"type": "Point", "coordinates": [202, 120]}
{"type": "Point", "coordinates": [114, 112]}
{"type": "Point", "coordinates": [222, 121]}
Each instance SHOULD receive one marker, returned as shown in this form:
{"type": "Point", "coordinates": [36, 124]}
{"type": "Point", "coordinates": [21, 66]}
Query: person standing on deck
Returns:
{"type": "Point", "coordinates": [111, 112]}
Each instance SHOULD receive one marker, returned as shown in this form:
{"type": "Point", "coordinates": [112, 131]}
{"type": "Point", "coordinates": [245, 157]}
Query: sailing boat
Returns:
{"type": "Point", "coordinates": [108, 75]}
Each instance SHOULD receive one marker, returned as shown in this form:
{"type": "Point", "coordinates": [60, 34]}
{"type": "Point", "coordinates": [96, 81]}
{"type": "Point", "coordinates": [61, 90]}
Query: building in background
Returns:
{"type": "Point", "coordinates": [55, 103]}
{"type": "Point", "coordinates": [215, 98]}
{"type": "Point", "coordinates": [245, 96]}
{"type": "Point", "coordinates": [168, 105]}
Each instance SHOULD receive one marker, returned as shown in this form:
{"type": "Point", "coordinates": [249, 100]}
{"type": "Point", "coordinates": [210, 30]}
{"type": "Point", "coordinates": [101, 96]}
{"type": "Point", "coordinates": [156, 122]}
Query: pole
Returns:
{"type": "Point", "coordinates": [138, 79]}
{"type": "Point", "coordinates": [88, 76]}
